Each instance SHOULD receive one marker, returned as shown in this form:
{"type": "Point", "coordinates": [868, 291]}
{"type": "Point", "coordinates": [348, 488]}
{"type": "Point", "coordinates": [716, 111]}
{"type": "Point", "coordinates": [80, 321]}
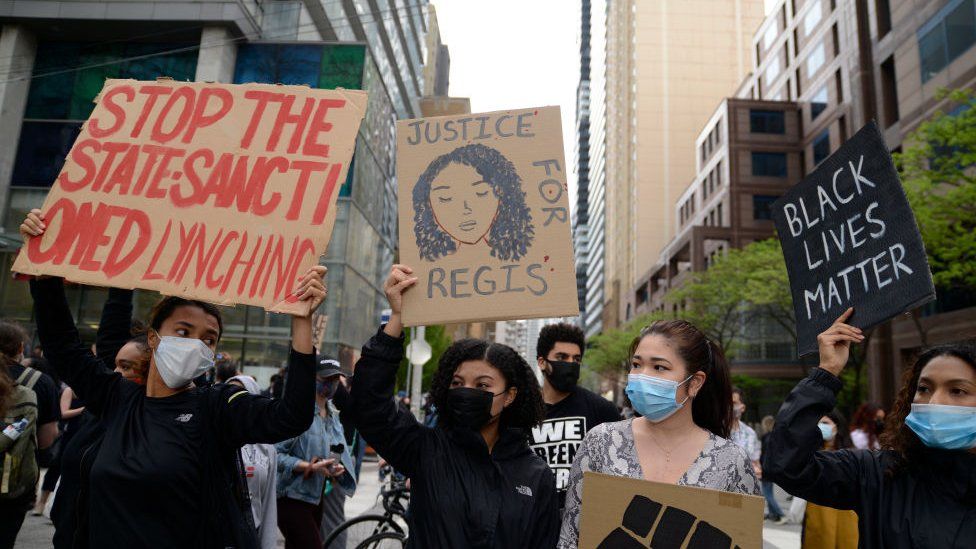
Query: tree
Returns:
{"type": "Point", "coordinates": [937, 171]}
{"type": "Point", "coordinates": [439, 340]}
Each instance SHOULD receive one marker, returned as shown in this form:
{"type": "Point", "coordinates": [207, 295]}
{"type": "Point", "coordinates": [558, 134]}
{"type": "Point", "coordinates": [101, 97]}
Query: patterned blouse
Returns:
{"type": "Point", "coordinates": [609, 448]}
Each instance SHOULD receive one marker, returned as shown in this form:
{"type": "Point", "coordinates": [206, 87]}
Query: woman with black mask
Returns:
{"type": "Point", "coordinates": [474, 481]}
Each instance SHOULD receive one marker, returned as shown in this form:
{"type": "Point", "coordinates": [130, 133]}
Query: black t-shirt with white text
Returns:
{"type": "Point", "coordinates": [561, 434]}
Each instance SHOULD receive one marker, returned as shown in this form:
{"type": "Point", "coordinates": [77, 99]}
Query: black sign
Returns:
{"type": "Point", "coordinates": [850, 240]}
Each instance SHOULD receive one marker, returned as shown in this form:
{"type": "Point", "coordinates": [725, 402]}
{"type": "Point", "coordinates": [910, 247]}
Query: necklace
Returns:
{"type": "Point", "coordinates": [667, 453]}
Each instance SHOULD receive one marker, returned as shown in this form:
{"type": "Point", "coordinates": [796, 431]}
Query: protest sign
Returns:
{"type": "Point", "coordinates": [484, 217]}
{"type": "Point", "coordinates": [223, 193]}
{"type": "Point", "coordinates": [621, 513]}
{"type": "Point", "coordinates": [850, 240]}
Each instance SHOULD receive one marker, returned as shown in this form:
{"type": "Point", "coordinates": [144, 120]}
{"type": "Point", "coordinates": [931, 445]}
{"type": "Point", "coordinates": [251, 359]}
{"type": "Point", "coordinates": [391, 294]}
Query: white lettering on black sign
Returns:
{"type": "Point", "coordinates": [850, 240]}
{"type": "Point", "coordinates": [556, 442]}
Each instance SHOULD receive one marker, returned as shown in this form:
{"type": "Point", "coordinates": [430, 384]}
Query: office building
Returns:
{"type": "Point", "coordinates": [55, 56]}
{"type": "Point", "coordinates": [667, 64]}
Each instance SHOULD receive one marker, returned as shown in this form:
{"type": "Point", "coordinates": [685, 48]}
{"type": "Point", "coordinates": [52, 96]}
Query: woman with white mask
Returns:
{"type": "Point", "coordinates": [919, 490]}
{"type": "Point", "coordinates": [679, 385]}
{"type": "Point", "coordinates": [167, 473]}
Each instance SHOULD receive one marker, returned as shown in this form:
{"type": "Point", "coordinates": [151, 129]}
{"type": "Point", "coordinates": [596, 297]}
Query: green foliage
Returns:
{"type": "Point", "coordinates": [937, 171]}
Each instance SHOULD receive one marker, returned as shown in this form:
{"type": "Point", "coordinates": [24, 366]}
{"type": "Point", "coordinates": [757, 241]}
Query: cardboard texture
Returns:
{"type": "Point", "coordinates": [850, 240]}
{"type": "Point", "coordinates": [484, 217]}
{"type": "Point", "coordinates": [621, 512]}
{"type": "Point", "coordinates": [223, 193]}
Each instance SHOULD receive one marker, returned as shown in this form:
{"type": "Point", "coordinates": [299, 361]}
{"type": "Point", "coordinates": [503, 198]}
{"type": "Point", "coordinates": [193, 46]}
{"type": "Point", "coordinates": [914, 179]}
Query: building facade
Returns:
{"type": "Point", "coordinates": [660, 89]}
{"type": "Point", "coordinates": [56, 56]}
{"type": "Point", "coordinates": [581, 214]}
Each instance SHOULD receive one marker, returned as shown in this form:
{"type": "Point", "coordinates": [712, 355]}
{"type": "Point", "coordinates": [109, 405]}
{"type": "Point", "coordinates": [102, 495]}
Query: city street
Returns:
{"type": "Point", "coordinates": [37, 531]}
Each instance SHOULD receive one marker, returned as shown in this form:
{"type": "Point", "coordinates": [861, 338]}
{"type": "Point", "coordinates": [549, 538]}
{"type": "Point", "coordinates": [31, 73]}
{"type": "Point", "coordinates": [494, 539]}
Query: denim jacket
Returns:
{"type": "Point", "coordinates": [315, 442]}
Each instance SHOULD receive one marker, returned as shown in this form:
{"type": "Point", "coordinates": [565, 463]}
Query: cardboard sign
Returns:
{"type": "Point", "coordinates": [850, 240]}
{"type": "Point", "coordinates": [484, 217]}
{"type": "Point", "coordinates": [623, 513]}
{"type": "Point", "coordinates": [223, 193]}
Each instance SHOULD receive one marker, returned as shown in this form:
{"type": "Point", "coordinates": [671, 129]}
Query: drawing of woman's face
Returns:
{"type": "Point", "coordinates": [464, 204]}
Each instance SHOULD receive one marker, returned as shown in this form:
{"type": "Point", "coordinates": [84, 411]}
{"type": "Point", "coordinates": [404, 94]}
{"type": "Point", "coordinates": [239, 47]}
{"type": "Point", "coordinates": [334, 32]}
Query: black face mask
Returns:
{"type": "Point", "coordinates": [563, 375]}
{"type": "Point", "coordinates": [878, 426]}
{"type": "Point", "coordinates": [469, 407]}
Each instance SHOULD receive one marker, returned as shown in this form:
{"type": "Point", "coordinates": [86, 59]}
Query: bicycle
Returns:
{"type": "Point", "coordinates": [378, 531]}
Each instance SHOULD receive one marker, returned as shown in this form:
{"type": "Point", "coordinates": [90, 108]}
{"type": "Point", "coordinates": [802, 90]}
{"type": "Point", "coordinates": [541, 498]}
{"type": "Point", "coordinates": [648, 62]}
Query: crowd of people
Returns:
{"type": "Point", "coordinates": [155, 454]}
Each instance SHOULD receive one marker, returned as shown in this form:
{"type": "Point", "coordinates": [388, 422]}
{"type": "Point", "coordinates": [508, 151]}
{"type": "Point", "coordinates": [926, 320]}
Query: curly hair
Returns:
{"type": "Point", "coordinates": [899, 437]}
{"type": "Point", "coordinates": [511, 233]}
{"type": "Point", "coordinates": [554, 333]}
{"type": "Point", "coordinates": [525, 412]}
{"type": "Point", "coordinates": [711, 409]}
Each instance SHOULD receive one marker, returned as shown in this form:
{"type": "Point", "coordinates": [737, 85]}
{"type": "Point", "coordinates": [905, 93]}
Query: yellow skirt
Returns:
{"type": "Point", "coordinates": [828, 528]}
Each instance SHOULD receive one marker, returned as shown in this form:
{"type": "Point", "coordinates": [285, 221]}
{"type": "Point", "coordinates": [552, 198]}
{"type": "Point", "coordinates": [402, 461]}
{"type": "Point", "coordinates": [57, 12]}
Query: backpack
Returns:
{"type": "Point", "coordinates": [18, 457]}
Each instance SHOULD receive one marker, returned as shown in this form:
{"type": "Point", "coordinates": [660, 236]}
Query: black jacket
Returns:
{"type": "Point", "coordinates": [929, 504]}
{"type": "Point", "coordinates": [461, 496]}
{"type": "Point", "coordinates": [229, 416]}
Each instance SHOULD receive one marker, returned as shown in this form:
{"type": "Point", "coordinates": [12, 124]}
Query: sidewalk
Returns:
{"type": "Point", "coordinates": [785, 536]}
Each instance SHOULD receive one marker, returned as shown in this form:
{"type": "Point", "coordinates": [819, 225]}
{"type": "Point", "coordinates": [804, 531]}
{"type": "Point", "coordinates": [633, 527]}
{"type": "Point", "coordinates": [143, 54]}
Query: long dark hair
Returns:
{"type": "Point", "coordinates": [842, 437]}
{"type": "Point", "coordinates": [864, 419]}
{"type": "Point", "coordinates": [711, 408]}
{"type": "Point", "coordinates": [524, 413]}
{"type": "Point", "coordinates": [897, 436]}
{"type": "Point", "coordinates": [12, 340]}
{"type": "Point", "coordinates": [512, 232]}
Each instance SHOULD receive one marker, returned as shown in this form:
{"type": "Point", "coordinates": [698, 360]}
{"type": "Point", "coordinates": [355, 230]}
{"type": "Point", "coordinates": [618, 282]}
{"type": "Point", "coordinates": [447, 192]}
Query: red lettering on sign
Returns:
{"type": "Point", "coordinates": [325, 199]}
{"type": "Point", "coordinates": [84, 161]}
{"type": "Point", "coordinates": [262, 98]}
{"type": "Point", "coordinates": [305, 169]}
{"type": "Point", "coordinates": [285, 116]}
{"type": "Point", "coordinates": [149, 274]}
{"type": "Point", "coordinates": [108, 100]}
{"type": "Point", "coordinates": [153, 92]}
{"type": "Point", "coordinates": [212, 282]}
{"type": "Point", "coordinates": [248, 265]}
{"type": "Point", "coordinates": [63, 209]}
{"type": "Point", "coordinates": [190, 171]}
{"type": "Point", "coordinates": [123, 173]}
{"type": "Point", "coordinates": [134, 218]}
{"type": "Point", "coordinates": [320, 125]}
{"type": "Point", "coordinates": [200, 119]}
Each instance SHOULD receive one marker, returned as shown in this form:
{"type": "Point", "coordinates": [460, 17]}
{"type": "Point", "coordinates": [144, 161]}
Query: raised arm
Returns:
{"type": "Point", "coordinates": [250, 419]}
{"type": "Point", "coordinates": [115, 326]}
{"type": "Point", "coordinates": [396, 435]}
{"type": "Point", "coordinates": [793, 457]}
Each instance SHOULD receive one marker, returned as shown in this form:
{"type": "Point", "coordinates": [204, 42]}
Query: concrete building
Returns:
{"type": "Point", "coordinates": [581, 150]}
{"type": "Point", "coordinates": [55, 56]}
{"type": "Point", "coordinates": [592, 233]}
{"type": "Point", "coordinates": [667, 65]}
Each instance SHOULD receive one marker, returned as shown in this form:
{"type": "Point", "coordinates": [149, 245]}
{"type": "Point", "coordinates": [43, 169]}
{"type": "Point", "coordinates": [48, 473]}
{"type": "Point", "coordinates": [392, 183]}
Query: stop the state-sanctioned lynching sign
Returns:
{"type": "Point", "coordinates": [219, 192]}
{"type": "Point", "coordinates": [850, 240]}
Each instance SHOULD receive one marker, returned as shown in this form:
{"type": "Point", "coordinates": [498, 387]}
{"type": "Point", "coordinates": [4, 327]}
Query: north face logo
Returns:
{"type": "Point", "coordinates": [524, 490]}
{"type": "Point", "coordinates": [671, 531]}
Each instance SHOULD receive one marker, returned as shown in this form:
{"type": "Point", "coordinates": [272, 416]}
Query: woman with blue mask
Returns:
{"type": "Point", "coordinates": [919, 490]}
{"type": "Point", "coordinates": [679, 385]}
{"type": "Point", "coordinates": [825, 527]}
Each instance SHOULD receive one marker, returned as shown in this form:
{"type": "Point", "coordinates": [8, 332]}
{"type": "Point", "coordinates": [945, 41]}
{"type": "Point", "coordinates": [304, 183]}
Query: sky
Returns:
{"type": "Point", "coordinates": [511, 54]}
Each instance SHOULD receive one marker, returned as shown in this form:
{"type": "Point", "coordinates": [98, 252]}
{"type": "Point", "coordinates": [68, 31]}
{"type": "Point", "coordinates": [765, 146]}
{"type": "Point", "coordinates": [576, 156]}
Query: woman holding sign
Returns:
{"type": "Point", "coordinates": [474, 480]}
{"type": "Point", "coordinates": [919, 491]}
{"type": "Point", "coordinates": [679, 384]}
{"type": "Point", "coordinates": [167, 473]}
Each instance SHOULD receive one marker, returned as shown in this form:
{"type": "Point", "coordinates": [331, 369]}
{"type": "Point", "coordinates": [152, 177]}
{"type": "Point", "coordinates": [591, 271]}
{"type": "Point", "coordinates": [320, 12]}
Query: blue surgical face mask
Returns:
{"type": "Point", "coordinates": [653, 397]}
{"type": "Point", "coordinates": [826, 431]}
{"type": "Point", "coordinates": [943, 426]}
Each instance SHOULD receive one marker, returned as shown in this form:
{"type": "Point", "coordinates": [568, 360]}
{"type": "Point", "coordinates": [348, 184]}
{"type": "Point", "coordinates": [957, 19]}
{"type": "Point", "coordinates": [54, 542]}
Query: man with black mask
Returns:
{"type": "Point", "coordinates": [571, 411]}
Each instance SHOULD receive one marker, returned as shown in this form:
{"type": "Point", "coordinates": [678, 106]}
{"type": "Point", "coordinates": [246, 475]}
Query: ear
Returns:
{"type": "Point", "coordinates": [152, 337]}
{"type": "Point", "coordinates": [543, 364]}
{"type": "Point", "coordinates": [512, 392]}
{"type": "Point", "coordinates": [696, 382]}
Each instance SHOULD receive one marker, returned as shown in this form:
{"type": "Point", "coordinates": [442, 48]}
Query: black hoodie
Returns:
{"type": "Point", "coordinates": [929, 503]}
{"type": "Point", "coordinates": [461, 496]}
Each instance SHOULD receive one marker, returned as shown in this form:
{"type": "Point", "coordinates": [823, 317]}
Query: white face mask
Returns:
{"type": "Point", "coordinates": [180, 359]}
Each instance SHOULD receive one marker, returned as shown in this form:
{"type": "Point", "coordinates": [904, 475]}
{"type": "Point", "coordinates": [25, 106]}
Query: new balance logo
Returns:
{"type": "Point", "coordinates": [524, 490]}
{"type": "Point", "coordinates": [183, 418]}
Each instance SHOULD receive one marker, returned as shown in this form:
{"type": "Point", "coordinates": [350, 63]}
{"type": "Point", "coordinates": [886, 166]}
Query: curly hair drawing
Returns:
{"type": "Point", "coordinates": [509, 231]}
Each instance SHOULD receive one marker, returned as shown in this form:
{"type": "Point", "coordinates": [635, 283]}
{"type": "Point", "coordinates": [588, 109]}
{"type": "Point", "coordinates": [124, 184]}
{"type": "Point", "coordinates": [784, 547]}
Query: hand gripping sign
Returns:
{"type": "Point", "coordinates": [484, 217]}
{"type": "Point", "coordinates": [218, 192]}
{"type": "Point", "coordinates": [850, 240]}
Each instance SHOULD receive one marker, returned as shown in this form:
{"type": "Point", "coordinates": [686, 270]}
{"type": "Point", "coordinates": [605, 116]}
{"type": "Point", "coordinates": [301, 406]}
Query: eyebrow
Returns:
{"type": "Point", "coordinates": [480, 182]}
{"type": "Point", "coordinates": [653, 359]}
{"type": "Point", "coordinates": [441, 187]}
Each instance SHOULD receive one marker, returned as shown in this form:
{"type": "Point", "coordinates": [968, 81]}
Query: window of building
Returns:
{"type": "Point", "coordinates": [882, 12]}
{"type": "Point", "coordinates": [772, 71]}
{"type": "Point", "coordinates": [718, 214]}
{"type": "Point", "coordinates": [818, 103]}
{"type": "Point", "coordinates": [762, 121]}
{"type": "Point", "coordinates": [948, 34]}
{"type": "Point", "coordinates": [816, 60]}
{"type": "Point", "coordinates": [812, 18]}
{"type": "Point", "coordinates": [839, 86]}
{"type": "Point", "coordinates": [889, 92]}
{"type": "Point", "coordinates": [835, 35]}
{"type": "Point", "coordinates": [769, 37]}
{"type": "Point", "coordinates": [821, 147]}
{"type": "Point", "coordinates": [769, 164]}
{"type": "Point", "coordinates": [762, 206]}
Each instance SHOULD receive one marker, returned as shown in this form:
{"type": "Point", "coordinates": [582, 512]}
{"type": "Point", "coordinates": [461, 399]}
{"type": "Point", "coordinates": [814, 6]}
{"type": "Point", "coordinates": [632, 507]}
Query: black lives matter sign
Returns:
{"type": "Point", "coordinates": [850, 240]}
